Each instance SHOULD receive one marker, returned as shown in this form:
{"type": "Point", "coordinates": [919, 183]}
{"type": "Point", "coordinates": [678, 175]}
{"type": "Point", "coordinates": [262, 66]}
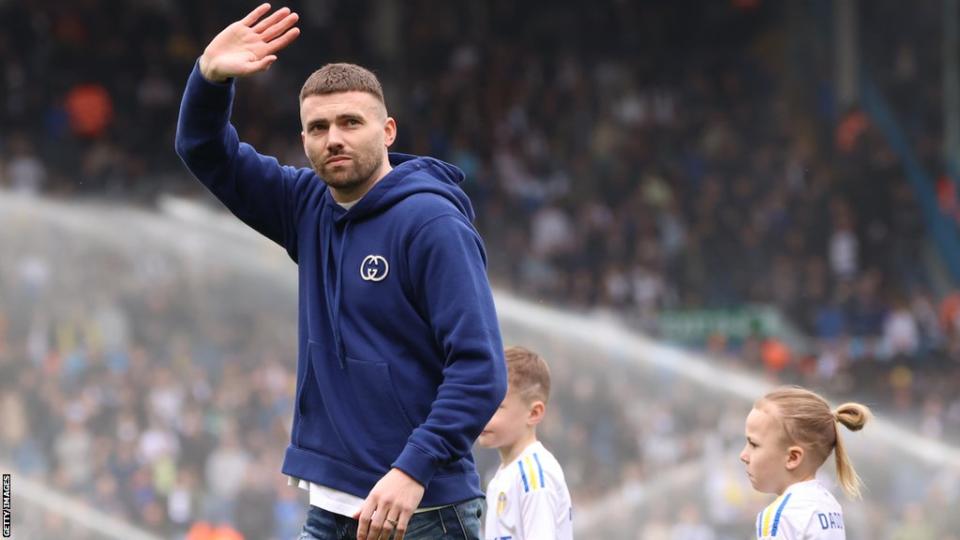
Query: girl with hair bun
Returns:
{"type": "Point", "coordinates": [790, 433]}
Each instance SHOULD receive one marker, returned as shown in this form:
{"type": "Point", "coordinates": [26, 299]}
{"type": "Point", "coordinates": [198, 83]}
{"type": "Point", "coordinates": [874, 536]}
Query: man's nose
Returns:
{"type": "Point", "coordinates": [334, 138]}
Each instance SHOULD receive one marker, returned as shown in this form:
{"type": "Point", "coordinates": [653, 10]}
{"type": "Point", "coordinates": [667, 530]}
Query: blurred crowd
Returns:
{"type": "Point", "coordinates": [625, 158]}
{"type": "Point", "coordinates": [123, 383]}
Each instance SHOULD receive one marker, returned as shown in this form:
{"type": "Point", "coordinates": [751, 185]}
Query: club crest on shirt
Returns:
{"type": "Point", "coordinates": [501, 503]}
{"type": "Point", "coordinates": [374, 268]}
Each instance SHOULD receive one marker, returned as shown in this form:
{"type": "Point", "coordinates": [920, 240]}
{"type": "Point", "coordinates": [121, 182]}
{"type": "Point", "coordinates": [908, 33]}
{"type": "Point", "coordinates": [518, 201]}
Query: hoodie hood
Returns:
{"type": "Point", "coordinates": [410, 175]}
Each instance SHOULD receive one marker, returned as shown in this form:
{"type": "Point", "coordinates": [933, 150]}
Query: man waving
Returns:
{"type": "Point", "coordinates": [400, 358]}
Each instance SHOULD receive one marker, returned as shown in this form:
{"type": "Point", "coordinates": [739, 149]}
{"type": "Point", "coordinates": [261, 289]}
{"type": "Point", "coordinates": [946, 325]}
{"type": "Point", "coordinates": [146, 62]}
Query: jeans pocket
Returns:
{"type": "Point", "coordinates": [469, 514]}
{"type": "Point", "coordinates": [320, 525]}
{"type": "Point", "coordinates": [425, 525]}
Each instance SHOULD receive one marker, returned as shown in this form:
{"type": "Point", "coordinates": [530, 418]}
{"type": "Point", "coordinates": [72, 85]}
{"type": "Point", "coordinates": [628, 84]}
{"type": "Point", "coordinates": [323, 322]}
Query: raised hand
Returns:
{"type": "Point", "coordinates": [248, 46]}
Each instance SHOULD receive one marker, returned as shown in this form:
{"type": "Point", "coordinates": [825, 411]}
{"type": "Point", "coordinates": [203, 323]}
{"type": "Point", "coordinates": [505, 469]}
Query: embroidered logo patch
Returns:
{"type": "Point", "coordinates": [374, 268]}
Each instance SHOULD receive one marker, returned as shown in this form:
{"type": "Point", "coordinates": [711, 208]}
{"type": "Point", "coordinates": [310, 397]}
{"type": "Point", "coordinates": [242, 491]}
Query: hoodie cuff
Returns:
{"type": "Point", "coordinates": [209, 93]}
{"type": "Point", "coordinates": [416, 463]}
{"type": "Point", "coordinates": [227, 82]}
{"type": "Point", "coordinates": [208, 104]}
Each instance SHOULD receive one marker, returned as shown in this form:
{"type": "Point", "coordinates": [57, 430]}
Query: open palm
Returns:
{"type": "Point", "coordinates": [248, 46]}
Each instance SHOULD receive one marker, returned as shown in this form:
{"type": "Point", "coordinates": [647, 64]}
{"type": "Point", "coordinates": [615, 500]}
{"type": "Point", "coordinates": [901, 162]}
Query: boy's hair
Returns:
{"type": "Point", "coordinates": [342, 77]}
{"type": "Point", "coordinates": [808, 421]}
{"type": "Point", "coordinates": [527, 374]}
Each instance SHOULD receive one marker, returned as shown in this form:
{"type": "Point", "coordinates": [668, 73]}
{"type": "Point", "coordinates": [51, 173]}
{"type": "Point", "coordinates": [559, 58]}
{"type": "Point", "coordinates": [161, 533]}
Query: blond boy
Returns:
{"type": "Point", "coordinates": [528, 497]}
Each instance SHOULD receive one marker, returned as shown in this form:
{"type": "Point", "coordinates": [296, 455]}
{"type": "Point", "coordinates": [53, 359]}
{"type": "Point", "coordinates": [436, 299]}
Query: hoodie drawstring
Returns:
{"type": "Point", "coordinates": [337, 296]}
{"type": "Point", "coordinates": [333, 304]}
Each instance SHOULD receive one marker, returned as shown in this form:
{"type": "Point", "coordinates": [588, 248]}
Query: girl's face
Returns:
{"type": "Point", "coordinates": [766, 453]}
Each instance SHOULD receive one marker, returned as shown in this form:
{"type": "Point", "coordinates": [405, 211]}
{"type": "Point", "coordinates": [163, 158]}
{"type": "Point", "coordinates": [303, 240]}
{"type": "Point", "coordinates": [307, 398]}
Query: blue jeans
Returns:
{"type": "Point", "coordinates": [455, 522]}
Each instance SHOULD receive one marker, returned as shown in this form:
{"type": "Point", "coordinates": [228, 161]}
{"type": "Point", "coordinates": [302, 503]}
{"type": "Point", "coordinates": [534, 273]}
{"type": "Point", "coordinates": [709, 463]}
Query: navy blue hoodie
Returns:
{"type": "Point", "coordinates": [400, 357]}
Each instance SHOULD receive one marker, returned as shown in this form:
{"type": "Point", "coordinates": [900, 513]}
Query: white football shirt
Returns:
{"type": "Point", "coordinates": [528, 499]}
{"type": "Point", "coordinates": [805, 511]}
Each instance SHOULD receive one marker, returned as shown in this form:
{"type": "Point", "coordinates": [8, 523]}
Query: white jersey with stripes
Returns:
{"type": "Point", "coordinates": [805, 511]}
{"type": "Point", "coordinates": [528, 499]}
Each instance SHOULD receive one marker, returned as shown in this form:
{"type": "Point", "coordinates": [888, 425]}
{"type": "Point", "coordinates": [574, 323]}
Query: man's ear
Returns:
{"type": "Point", "coordinates": [795, 455]}
{"type": "Point", "coordinates": [537, 411]}
{"type": "Point", "coordinates": [389, 131]}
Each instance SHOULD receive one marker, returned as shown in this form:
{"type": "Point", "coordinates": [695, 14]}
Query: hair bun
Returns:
{"type": "Point", "coordinates": [852, 415]}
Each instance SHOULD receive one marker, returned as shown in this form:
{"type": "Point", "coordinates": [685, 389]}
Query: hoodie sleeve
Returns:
{"type": "Point", "coordinates": [256, 188]}
{"type": "Point", "coordinates": [447, 264]}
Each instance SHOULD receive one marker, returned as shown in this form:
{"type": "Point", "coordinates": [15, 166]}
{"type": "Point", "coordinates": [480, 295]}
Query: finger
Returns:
{"type": "Point", "coordinates": [283, 40]}
{"type": "Point", "coordinates": [262, 64]}
{"type": "Point", "coordinates": [271, 20]}
{"type": "Point", "coordinates": [257, 12]}
{"type": "Point", "coordinates": [391, 524]}
{"type": "Point", "coordinates": [376, 524]}
{"type": "Point", "coordinates": [364, 527]}
{"type": "Point", "coordinates": [402, 521]}
{"type": "Point", "coordinates": [280, 27]}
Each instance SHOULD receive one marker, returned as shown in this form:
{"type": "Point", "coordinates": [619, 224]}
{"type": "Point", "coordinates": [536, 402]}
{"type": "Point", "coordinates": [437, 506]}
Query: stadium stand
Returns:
{"type": "Point", "coordinates": [630, 161]}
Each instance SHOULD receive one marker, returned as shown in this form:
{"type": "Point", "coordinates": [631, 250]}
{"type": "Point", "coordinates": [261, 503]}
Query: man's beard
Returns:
{"type": "Point", "coordinates": [357, 171]}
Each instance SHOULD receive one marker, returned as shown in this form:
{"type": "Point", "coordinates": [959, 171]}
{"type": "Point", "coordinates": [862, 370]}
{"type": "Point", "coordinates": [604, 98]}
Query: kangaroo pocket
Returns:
{"type": "Point", "coordinates": [314, 427]}
{"type": "Point", "coordinates": [364, 408]}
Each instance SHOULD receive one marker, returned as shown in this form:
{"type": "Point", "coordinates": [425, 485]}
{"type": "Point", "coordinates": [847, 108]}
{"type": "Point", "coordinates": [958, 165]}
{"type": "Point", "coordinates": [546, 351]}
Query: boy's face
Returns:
{"type": "Point", "coordinates": [765, 453]}
{"type": "Point", "coordinates": [508, 424]}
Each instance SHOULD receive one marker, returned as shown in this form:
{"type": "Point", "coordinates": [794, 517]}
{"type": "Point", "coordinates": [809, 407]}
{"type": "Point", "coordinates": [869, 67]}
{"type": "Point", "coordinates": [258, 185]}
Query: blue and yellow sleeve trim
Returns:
{"type": "Point", "coordinates": [531, 473]}
{"type": "Point", "coordinates": [768, 522]}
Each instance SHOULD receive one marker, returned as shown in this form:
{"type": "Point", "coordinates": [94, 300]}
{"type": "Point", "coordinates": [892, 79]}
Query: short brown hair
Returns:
{"type": "Point", "coordinates": [342, 77]}
{"type": "Point", "coordinates": [527, 374]}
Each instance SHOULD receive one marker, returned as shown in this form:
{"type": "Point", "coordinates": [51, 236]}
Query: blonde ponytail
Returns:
{"type": "Point", "coordinates": [808, 421]}
{"type": "Point", "coordinates": [853, 416]}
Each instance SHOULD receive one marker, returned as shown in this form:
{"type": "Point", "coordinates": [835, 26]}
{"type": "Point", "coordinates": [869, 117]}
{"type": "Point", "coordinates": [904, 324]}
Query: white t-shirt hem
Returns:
{"type": "Point", "coordinates": [336, 501]}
